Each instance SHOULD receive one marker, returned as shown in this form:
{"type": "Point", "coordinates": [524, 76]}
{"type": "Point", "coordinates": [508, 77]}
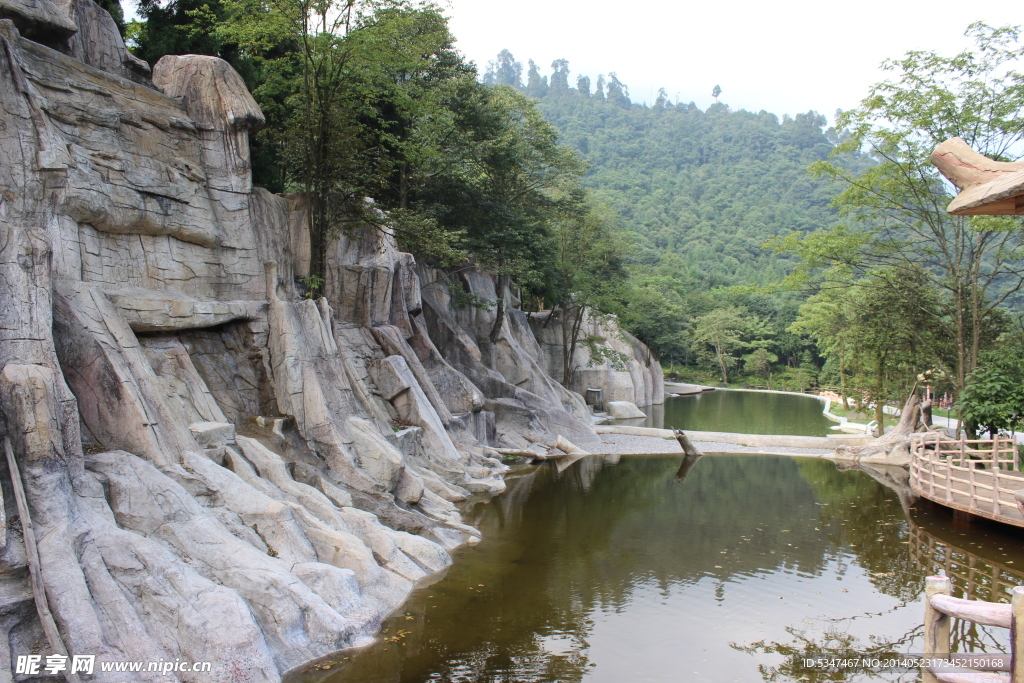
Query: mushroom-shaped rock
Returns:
{"type": "Point", "coordinates": [214, 94]}
{"type": "Point", "coordinates": [38, 19]}
{"type": "Point", "coordinates": [987, 187]}
{"type": "Point", "coordinates": [215, 97]}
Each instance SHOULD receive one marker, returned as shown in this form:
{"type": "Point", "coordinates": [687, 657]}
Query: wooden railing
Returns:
{"type": "Point", "coordinates": [974, 475]}
{"type": "Point", "coordinates": [940, 608]}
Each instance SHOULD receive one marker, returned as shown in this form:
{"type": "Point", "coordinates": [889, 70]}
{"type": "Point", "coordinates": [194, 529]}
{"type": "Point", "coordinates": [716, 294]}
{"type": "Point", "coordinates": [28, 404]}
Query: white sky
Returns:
{"type": "Point", "coordinates": [786, 57]}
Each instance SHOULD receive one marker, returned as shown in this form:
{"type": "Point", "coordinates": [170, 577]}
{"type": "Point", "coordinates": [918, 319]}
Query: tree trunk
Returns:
{"type": "Point", "coordinates": [879, 391]}
{"type": "Point", "coordinates": [574, 337]}
{"type": "Point", "coordinates": [566, 354]}
{"type": "Point", "coordinates": [317, 239]}
{"type": "Point", "coordinates": [403, 187]}
{"type": "Point", "coordinates": [499, 316]}
{"type": "Point", "coordinates": [721, 364]}
{"type": "Point", "coordinates": [842, 378]}
{"type": "Point", "coordinates": [895, 444]}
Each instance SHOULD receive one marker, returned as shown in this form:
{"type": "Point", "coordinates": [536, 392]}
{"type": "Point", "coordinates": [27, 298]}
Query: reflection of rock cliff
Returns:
{"type": "Point", "coordinates": [210, 464]}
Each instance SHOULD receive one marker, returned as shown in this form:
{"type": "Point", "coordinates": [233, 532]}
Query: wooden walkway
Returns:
{"type": "Point", "coordinates": [978, 476]}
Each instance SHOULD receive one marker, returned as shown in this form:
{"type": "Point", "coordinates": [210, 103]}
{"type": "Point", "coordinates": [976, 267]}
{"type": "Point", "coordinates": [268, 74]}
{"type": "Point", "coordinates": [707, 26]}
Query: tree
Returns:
{"type": "Point", "coordinates": [523, 165]}
{"type": "Point", "coordinates": [862, 323]}
{"type": "Point", "coordinates": [618, 93]}
{"type": "Point", "coordinates": [583, 85]}
{"type": "Point", "coordinates": [505, 70]}
{"type": "Point", "coordinates": [588, 269]}
{"type": "Point", "coordinates": [560, 77]}
{"type": "Point", "coordinates": [180, 27]}
{"type": "Point", "coordinates": [359, 102]}
{"type": "Point", "coordinates": [536, 85]}
{"type": "Point", "coordinates": [722, 331]}
{"type": "Point", "coordinates": [759, 362]}
{"type": "Point", "coordinates": [828, 318]}
{"type": "Point", "coordinates": [715, 92]}
{"type": "Point", "coordinates": [950, 274]}
{"type": "Point", "coordinates": [993, 398]}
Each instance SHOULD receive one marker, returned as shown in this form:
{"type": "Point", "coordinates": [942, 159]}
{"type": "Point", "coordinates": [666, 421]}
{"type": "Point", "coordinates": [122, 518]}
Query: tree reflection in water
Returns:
{"type": "Point", "coordinates": [975, 575]}
{"type": "Point", "coordinates": [608, 569]}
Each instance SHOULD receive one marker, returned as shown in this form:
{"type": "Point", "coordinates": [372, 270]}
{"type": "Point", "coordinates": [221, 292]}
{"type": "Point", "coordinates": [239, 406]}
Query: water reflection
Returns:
{"type": "Point", "coordinates": [967, 553]}
{"type": "Point", "coordinates": [613, 572]}
{"type": "Point", "coordinates": [745, 412]}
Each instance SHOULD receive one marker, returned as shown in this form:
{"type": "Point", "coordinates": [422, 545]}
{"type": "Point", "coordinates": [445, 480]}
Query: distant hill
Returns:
{"type": "Point", "coordinates": [710, 186]}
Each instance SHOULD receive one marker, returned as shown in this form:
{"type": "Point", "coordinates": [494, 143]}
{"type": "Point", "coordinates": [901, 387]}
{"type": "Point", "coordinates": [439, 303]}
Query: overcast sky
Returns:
{"type": "Point", "coordinates": [784, 56]}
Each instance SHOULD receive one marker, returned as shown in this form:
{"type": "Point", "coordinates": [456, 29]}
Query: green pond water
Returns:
{"type": "Point", "coordinates": [616, 570]}
{"type": "Point", "coordinates": [744, 412]}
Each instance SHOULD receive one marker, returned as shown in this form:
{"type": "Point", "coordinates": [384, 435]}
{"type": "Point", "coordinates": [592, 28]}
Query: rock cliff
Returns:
{"type": "Point", "coordinates": [199, 463]}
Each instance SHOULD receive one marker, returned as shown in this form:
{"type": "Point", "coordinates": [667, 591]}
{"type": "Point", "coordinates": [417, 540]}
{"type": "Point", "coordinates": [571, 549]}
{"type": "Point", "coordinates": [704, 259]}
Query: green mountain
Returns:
{"type": "Point", "coordinates": [710, 186]}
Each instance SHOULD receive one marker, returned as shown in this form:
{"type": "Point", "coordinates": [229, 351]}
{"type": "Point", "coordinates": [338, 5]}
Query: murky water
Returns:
{"type": "Point", "coordinates": [619, 571]}
{"type": "Point", "coordinates": [744, 412]}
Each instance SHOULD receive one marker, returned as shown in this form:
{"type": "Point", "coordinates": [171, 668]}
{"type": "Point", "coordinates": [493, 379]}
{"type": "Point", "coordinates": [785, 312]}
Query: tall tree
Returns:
{"type": "Point", "coordinates": [588, 270]}
{"type": "Point", "coordinates": [583, 85]}
{"type": "Point", "coordinates": [326, 88]}
{"type": "Point", "coordinates": [722, 331]}
{"type": "Point", "coordinates": [521, 170]}
{"type": "Point", "coordinates": [950, 273]}
{"type": "Point", "coordinates": [560, 77]}
{"type": "Point", "coordinates": [536, 85]}
{"type": "Point", "coordinates": [862, 323]}
{"type": "Point", "coordinates": [618, 93]}
{"type": "Point", "coordinates": [505, 70]}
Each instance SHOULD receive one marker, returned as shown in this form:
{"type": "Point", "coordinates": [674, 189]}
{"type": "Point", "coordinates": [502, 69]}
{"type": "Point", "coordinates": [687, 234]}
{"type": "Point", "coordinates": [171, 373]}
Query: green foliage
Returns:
{"type": "Point", "coordinates": [862, 325]}
{"type": "Point", "coordinates": [113, 7]}
{"type": "Point", "coordinates": [601, 353]}
{"type": "Point", "coordinates": [710, 187]}
{"type": "Point", "coordinates": [759, 362]}
{"type": "Point", "coordinates": [314, 286]}
{"type": "Point", "coordinates": [946, 276]}
{"type": "Point", "coordinates": [698, 193]}
{"type": "Point", "coordinates": [721, 331]}
{"type": "Point", "coordinates": [993, 398]}
{"type": "Point", "coordinates": [420, 234]}
{"type": "Point", "coordinates": [586, 277]}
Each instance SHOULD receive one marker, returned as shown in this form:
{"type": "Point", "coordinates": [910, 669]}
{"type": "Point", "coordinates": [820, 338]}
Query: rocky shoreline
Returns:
{"type": "Point", "coordinates": [213, 467]}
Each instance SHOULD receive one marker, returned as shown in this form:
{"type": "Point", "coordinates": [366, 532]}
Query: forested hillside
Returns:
{"type": "Point", "coordinates": [708, 186]}
{"type": "Point", "coordinates": [585, 201]}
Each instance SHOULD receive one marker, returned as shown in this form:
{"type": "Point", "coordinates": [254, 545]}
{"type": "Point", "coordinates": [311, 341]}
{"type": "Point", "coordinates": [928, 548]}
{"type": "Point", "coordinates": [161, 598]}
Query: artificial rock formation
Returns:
{"type": "Point", "coordinates": [203, 465]}
{"type": "Point", "coordinates": [627, 372]}
{"type": "Point", "coordinates": [987, 187]}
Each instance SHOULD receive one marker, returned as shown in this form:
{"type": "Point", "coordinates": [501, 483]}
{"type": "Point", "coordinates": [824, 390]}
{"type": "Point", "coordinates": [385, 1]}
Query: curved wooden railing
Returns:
{"type": "Point", "coordinates": [978, 476]}
{"type": "Point", "coordinates": [940, 608]}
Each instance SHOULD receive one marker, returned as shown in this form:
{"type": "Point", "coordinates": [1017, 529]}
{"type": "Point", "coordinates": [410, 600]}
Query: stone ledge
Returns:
{"type": "Point", "coordinates": [148, 310]}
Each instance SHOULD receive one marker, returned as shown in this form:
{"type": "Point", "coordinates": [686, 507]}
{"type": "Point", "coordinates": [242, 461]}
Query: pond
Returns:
{"type": "Point", "coordinates": [616, 570]}
{"type": "Point", "coordinates": [743, 412]}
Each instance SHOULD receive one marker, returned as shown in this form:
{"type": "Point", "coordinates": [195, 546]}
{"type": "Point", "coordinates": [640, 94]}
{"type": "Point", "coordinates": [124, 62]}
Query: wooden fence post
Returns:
{"type": "Point", "coordinates": [936, 624]}
{"type": "Point", "coordinates": [1017, 635]}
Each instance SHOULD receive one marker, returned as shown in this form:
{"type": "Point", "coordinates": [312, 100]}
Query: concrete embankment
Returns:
{"type": "Point", "coordinates": [766, 440]}
{"type": "Point", "coordinates": [684, 389]}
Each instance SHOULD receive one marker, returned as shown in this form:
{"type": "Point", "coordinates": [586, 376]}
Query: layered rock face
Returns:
{"type": "Point", "coordinates": [214, 468]}
{"type": "Point", "coordinates": [626, 371]}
